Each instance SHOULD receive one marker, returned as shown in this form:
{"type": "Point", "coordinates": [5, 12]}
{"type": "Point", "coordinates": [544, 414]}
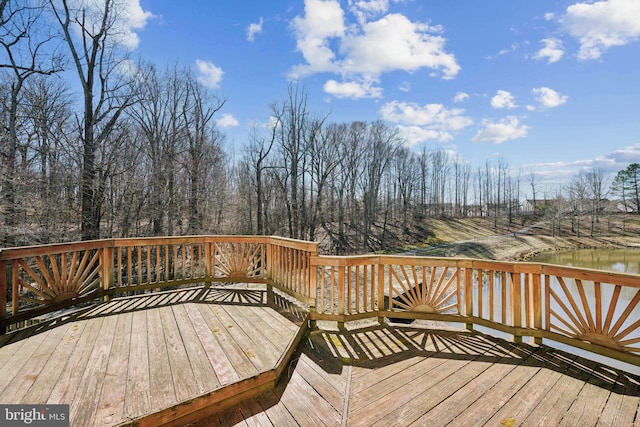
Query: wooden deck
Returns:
{"type": "Point", "coordinates": [148, 359]}
{"type": "Point", "coordinates": [151, 359]}
{"type": "Point", "coordinates": [411, 376]}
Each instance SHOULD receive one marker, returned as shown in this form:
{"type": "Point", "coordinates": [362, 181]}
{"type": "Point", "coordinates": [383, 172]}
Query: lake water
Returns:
{"type": "Point", "coordinates": [618, 260]}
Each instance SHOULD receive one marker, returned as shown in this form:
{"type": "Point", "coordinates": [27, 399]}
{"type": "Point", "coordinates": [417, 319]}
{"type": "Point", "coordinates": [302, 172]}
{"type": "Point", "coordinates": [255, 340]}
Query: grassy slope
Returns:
{"type": "Point", "coordinates": [479, 238]}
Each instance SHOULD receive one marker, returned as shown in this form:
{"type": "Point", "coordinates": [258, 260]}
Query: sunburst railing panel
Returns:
{"type": "Point", "coordinates": [43, 280]}
{"type": "Point", "coordinates": [425, 289]}
{"type": "Point", "coordinates": [600, 313]}
{"type": "Point", "coordinates": [241, 260]}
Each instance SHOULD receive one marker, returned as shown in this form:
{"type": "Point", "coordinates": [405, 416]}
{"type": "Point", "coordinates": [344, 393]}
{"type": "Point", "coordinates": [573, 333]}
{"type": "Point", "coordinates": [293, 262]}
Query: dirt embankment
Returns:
{"type": "Point", "coordinates": [484, 238]}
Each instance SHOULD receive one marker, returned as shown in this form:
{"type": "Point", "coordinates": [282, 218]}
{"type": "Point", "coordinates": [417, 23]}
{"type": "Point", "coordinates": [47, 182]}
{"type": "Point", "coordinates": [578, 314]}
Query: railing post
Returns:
{"type": "Point", "coordinates": [537, 305]}
{"type": "Point", "coordinates": [313, 287]}
{"type": "Point", "coordinates": [516, 305]}
{"type": "Point", "coordinates": [208, 262]}
{"type": "Point", "coordinates": [468, 295]}
{"type": "Point", "coordinates": [381, 299]}
{"type": "Point", "coordinates": [15, 287]}
{"type": "Point", "coordinates": [341, 295]}
{"type": "Point", "coordinates": [107, 269]}
{"type": "Point", "coordinates": [269, 261]}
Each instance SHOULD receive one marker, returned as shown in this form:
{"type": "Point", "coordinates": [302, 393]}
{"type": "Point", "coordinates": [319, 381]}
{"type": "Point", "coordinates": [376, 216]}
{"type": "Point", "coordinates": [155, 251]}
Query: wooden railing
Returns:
{"type": "Point", "coordinates": [594, 310]}
{"type": "Point", "coordinates": [41, 279]}
{"type": "Point", "coordinates": [590, 309]}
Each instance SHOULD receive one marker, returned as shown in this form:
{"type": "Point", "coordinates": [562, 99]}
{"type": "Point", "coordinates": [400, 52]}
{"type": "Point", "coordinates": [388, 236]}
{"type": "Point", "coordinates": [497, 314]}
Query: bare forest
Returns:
{"type": "Point", "coordinates": [132, 149]}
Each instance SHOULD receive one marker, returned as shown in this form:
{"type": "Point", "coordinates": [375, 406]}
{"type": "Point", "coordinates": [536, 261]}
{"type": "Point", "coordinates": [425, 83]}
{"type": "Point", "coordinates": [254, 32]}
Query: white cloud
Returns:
{"type": "Point", "coordinates": [129, 15]}
{"type": "Point", "coordinates": [363, 50]}
{"type": "Point", "coordinates": [510, 49]}
{"type": "Point", "coordinates": [602, 24]}
{"type": "Point", "coordinates": [395, 43]}
{"type": "Point", "coordinates": [210, 75]}
{"type": "Point", "coordinates": [503, 99]}
{"type": "Point", "coordinates": [355, 90]}
{"type": "Point", "coordinates": [253, 29]}
{"type": "Point", "coordinates": [501, 131]}
{"type": "Point", "coordinates": [323, 19]}
{"type": "Point", "coordinates": [431, 121]}
{"type": "Point", "coordinates": [552, 50]}
{"type": "Point", "coordinates": [460, 97]}
{"type": "Point", "coordinates": [227, 120]}
{"type": "Point", "coordinates": [409, 113]}
{"type": "Point", "coordinates": [365, 10]}
{"type": "Point", "coordinates": [610, 162]}
{"type": "Point", "coordinates": [548, 98]}
{"type": "Point", "coordinates": [405, 86]}
{"type": "Point", "coordinates": [414, 135]}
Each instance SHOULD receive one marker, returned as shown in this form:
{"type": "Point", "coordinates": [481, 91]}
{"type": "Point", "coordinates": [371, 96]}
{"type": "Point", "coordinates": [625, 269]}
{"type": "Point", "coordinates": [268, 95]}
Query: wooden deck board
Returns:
{"type": "Point", "coordinates": [265, 347]}
{"type": "Point", "coordinates": [449, 409]}
{"type": "Point", "coordinates": [441, 378]}
{"type": "Point", "coordinates": [161, 385]}
{"type": "Point", "coordinates": [13, 366]}
{"type": "Point", "coordinates": [131, 357]}
{"type": "Point", "coordinates": [112, 399]}
{"type": "Point", "coordinates": [138, 396]}
{"type": "Point", "coordinates": [259, 356]}
{"type": "Point", "coordinates": [223, 368]}
{"type": "Point", "coordinates": [182, 374]}
{"type": "Point", "coordinates": [236, 356]}
{"type": "Point", "coordinates": [205, 376]}
{"type": "Point", "coordinates": [82, 410]}
{"type": "Point", "coordinates": [274, 408]}
{"type": "Point", "coordinates": [421, 395]}
{"type": "Point", "coordinates": [33, 366]}
{"type": "Point", "coordinates": [53, 369]}
{"type": "Point", "coordinates": [67, 387]}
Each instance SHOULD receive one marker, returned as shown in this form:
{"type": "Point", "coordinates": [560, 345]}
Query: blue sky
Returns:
{"type": "Point", "coordinates": [550, 86]}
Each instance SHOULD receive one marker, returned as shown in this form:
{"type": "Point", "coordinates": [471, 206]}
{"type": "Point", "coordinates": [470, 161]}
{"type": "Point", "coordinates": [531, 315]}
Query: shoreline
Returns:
{"type": "Point", "coordinates": [521, 247]}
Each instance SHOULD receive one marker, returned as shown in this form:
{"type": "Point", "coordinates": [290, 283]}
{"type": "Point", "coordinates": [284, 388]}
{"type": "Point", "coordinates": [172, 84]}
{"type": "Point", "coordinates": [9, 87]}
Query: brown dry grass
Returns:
{"type": "Point", "coordinates": [480, 238]}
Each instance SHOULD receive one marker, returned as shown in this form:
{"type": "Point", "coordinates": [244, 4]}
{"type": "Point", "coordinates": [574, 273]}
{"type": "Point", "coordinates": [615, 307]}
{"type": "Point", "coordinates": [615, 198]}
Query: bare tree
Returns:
{"type": "Point", "coordinates": [47, 110]}
{"type": "Point", "coordinates": [256, 153]}
{"type": "Point", "coordinates": [28, 49]}
{"type": "Point", "coordinates": [595, 181]}
{"type": "Point", "coordinates": [204, 146]}
{"type": "Point", "coordinates": [577, 190]}
{"type": "Point", "coordinates": [91, 35]}
{"type": "Point", "coordinates": [534, 182]}
{"type": "Point", "coordinates": [323, 147]}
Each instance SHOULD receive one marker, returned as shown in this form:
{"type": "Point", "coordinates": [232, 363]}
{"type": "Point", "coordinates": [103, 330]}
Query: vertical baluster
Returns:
{"type": "Point", "coordinates": [149, 270]}
{"type": "Point", "coordinates": [503, 276]}
{"type": "Point", "coordinates": [334, 309]}
{"type": "Point", "coordinates": [480, 294]}
{"type": "Point", "coordinates": [380, 286]}
{"type": "Point", "coordinates": [349, 288]}
{"type": "Point", "coordinates": [129, 265]}
{"type": "Point", "coordinates": [492, 296]}
{"type": "Point", "coordinates": [15, 287]}
{"type": "Point", "coordinates": [139, 260]}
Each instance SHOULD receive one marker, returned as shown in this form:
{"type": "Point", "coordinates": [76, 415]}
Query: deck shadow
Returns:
{"type": "Point", "coordinates": [219, 295]}
{"type": "Point", "coordinates": [382, 345]}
